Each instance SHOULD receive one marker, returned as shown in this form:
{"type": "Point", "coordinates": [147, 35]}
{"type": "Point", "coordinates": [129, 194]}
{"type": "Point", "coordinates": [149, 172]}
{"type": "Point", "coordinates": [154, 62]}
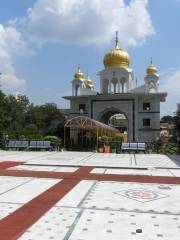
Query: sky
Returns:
{"type": "Point", "coordinates": [43, 41]}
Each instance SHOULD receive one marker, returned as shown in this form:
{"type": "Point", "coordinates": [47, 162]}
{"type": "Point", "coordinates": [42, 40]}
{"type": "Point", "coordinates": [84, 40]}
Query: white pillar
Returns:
{"type": "Point", "coordinates": [109, 86]}
{"type": "Point", "coordinates": [114, 87]}
{"type": "Point", "coordinates": [101, 86]}
{"type": "Point", "coordinates": [119, 86]}
{"type": "Point", "coordinates": [123, 86]}
{"type": "Point", "coordinates": [73, 90]}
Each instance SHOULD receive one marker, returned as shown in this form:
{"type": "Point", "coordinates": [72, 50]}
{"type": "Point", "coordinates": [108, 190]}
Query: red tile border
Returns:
{"type": "Point", "coordinates": [84, 174]}
{"type": "Point", "coordinates": [14, 225]}
{"type": "Point", "coordinates": [8, 164]}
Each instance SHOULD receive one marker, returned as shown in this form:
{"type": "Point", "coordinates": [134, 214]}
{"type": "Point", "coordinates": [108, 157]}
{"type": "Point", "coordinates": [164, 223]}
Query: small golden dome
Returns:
{"type": "Point", "coordinates": [79, 74]}
{"type": "Point", "coordinates": [117, 57]}
{"type": "Point", "coordinates": [89, 82]}
{"type": "Point", "coordinates": [152, 69]}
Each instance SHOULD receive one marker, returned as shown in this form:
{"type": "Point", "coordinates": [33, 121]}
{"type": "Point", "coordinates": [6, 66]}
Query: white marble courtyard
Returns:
{"type": "Point", "coordinates": [93, 209]}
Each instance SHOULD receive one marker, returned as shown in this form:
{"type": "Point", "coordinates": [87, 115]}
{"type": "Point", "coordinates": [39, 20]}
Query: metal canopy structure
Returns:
{"type": "Point", "coordinates": [83, 131]}
{"type": "Point", "coordinates": [83, 122]}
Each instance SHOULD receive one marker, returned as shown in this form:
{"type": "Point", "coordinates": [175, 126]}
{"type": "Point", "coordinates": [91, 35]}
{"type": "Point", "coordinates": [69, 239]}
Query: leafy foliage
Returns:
{"type": "Point", "coordinates": [20, 119]}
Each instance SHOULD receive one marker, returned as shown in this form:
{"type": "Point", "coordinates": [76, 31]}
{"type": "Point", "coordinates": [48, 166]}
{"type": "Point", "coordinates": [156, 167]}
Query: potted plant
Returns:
{"type": "Point", "coordinates": [106, 144]}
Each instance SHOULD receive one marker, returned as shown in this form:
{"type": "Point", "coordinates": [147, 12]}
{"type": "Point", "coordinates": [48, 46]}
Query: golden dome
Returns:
{"type": "Point", "coordinates": [152, 69]}
{"type": "Point", "coordinates": [79, 74]}
{"type": "Point", "coordinates": [89, 82]}
{"type": "Point", "coordinates": [117, 57]}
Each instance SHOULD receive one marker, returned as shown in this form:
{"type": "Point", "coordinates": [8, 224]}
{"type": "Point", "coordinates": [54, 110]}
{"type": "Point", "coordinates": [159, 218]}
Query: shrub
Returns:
{"type": "Point", "coordinates": [56, 142]}
{"type": "Point", "coordinates": [22, 137]}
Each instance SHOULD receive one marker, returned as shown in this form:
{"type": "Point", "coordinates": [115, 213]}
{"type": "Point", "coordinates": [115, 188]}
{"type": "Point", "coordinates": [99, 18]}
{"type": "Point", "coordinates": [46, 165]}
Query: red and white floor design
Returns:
{"type": "Point", "coordinates": [81, 196]}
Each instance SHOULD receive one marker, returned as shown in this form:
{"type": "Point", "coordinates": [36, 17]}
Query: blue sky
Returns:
{"type": "Point", "coordinates": [42, 42]}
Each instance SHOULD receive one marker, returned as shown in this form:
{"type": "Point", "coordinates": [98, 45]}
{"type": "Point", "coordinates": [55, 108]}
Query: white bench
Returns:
{"type": "Point", "coordinates": [127, 146]}
{"type": "Point", "coordinates": [19, 144]}
{"type": "Point", "coordinates": [40, 145]}
{"type": "Point", "coordinates": [33, 144]}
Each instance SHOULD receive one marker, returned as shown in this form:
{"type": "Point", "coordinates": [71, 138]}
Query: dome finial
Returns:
{"type": "Point", "coordinates": [151, 61]}
{"type": "Point", "coordinates": [117, 40]}
{"type": "Point", "coordinates": [79, 67]}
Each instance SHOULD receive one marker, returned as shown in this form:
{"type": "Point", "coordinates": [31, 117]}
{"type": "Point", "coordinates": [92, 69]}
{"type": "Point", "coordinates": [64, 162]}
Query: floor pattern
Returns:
{"type": "Point", "coordinates": [85, 196]}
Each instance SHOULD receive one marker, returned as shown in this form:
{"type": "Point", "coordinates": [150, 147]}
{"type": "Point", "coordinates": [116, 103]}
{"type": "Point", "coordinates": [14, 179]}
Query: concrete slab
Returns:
{"type": "Point", "coordinates": [9, 183]}
{"type": "Point", "coordinates": [33, 168]}
{"type": "Point", "coordinates": [7, 208]}
{"type": "Point", "coordinates": [148, 172]}
{"type": "Point", "coordinates": [75, 197]}
{"type": "Point", "coordinates": [175, 172]}
{"type": "Point", "coordinates": [82, 209]}
{"type": "Point", "coordinates": [66, 169]}
{"type": "Point", "coordinates": [94, 159]}
{"type": "Point", "coordinates": [55, 224]}
{"type": "Point", "coordinates": [108, 225]}
{"type": "Point", "coordinates": [134, 197]}
{"type": "Point", "coordinates": [27, 191]}
{"type": "Point", "coordinates": [155, 160]}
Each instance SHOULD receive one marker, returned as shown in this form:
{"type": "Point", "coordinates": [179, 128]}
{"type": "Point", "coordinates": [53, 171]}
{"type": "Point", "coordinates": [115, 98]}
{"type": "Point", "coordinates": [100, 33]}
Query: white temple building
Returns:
{"type": "Point", "coordinates": [119, 94]}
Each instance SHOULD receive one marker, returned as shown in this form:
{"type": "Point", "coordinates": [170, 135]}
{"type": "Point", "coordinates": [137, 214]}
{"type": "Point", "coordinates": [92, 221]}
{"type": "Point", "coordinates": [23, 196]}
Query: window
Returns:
{"type": "Point", "coordinates": [146, 122]}
{"type": "Point", "coordinates": [146, 106]}
{"type": "Point", "coordinates": [82, 108]}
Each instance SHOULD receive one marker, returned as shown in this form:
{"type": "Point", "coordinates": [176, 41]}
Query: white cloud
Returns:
{"type": "Point", "coordinates": [171, 85]}
{"type": "Point", "coordinates": [11, 44]}
{"type": "Point", "coordinates": [89, 22]}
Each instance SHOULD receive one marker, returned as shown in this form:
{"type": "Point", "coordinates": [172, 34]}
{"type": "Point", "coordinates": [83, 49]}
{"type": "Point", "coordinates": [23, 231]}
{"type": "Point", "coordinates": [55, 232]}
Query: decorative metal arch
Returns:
{"type": "Point", "coordinates": [82, 123]}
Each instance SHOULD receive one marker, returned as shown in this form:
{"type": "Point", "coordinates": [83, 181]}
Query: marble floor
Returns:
{"type": "Point", "coordinates": [78, 196]}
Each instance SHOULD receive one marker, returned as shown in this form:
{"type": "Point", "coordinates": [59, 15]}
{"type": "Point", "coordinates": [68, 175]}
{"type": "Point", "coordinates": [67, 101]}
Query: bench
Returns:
{"type": "Point", "coordinates": [22, 144]}
{"type": "Point", "coordinates": [18, 144]}
{"type": "Point", "coordinates": [40, 145]}
{"type": "Point", "coordinates": [128, 146]}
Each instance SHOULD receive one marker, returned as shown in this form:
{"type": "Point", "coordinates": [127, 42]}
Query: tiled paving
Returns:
{"type": "Point", "coordinates": [53, 195]}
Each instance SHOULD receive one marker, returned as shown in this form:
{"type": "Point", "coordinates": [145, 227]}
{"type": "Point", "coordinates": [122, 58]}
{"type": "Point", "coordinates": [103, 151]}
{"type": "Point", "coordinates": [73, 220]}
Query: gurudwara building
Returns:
{"type": "Point", "coordinates": [134, 110]}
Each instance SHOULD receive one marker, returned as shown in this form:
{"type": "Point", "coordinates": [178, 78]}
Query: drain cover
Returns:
{"type": "Point", "coordinates": [139, 230]}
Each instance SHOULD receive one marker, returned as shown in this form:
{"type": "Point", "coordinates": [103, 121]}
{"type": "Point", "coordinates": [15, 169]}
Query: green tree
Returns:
{"type": "Point", "coordinates": [20, 117]}
{"type": "Point", "coordinates": [167, 119]}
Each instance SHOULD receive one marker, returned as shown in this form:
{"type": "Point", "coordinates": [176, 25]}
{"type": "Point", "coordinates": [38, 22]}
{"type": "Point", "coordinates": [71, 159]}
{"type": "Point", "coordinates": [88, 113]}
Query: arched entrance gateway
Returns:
{"type": "Point", "coordinates": [107, 108]}
{"type": "Point", "coordinates": [116, 119]}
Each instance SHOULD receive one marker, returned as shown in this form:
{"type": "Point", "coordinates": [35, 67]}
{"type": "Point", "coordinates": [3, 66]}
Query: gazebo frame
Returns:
{"type": "Point", "coordinates": [83, 123]}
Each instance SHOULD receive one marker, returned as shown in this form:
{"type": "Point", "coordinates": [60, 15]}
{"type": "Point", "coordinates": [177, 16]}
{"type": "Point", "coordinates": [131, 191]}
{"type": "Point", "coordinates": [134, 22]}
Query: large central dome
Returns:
{"type": "Point", "coordinates": [117, 58]}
